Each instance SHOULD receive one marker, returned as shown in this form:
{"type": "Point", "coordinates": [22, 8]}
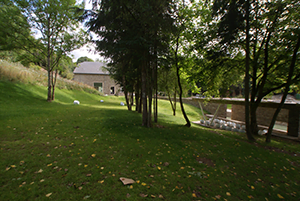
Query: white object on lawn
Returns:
{"type": "Point", "coordinates": [76, 102]}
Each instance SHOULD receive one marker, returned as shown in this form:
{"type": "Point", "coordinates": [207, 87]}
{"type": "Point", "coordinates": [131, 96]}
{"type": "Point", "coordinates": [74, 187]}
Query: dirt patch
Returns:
{"type": "Point", "coordinates": [206, 161]}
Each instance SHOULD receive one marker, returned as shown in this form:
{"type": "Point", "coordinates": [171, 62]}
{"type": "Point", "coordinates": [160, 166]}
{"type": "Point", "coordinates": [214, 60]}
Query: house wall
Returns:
{"type": "Point", "coordinates": [106, 81]}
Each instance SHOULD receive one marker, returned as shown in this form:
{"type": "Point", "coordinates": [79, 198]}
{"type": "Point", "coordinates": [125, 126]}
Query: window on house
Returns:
{"type": "Point", "coordinates": [112, 90]}
{"type": "Point", "coordinates": [98, 86]}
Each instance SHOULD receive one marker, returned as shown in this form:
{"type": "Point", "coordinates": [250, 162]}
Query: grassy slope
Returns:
{"type": "Point", "coordinates": [62, 151]}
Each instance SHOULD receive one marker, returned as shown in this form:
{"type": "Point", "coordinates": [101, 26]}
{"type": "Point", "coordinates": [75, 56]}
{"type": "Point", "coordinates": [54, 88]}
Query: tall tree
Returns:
{"type": "Point", "coordinates": [259, 29]}
{"type": "Point", "coordinates": [83, 59]}
{"type": "Point", "coordinates": [54, 24]}
{"type": "Point", "coordinates": [133, 30]}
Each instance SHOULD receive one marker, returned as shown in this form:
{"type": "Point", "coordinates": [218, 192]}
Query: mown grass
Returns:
{"type": "Point", "coordinates": [62, 151]}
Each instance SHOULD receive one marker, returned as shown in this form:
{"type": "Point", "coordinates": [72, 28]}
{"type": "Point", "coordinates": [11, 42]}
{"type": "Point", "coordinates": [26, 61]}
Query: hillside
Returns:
{"type": "Point", "coordinates": [62, 151]}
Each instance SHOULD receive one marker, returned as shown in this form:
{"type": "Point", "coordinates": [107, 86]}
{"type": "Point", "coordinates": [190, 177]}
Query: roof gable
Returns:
{"type": "Point", "coordinates": [91, 68]}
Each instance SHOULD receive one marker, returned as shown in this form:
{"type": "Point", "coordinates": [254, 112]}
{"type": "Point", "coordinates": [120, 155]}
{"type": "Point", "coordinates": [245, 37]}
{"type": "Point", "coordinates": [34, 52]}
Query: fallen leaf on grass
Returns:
{"type": "Point", "coordinates": [80, 187]}
{"type": "Point", "coordinates": [101, 182]}
{"type": "Point", "coordinates": [49, 164]}
{"type": "Point", "coordinates": [48, 195]}
{"type": "Point", "coordinates": [8, 168]}
{"type": "Point", "coordinates": [13, 166]}
{"type": "Point", "coordinates": [143, 195]}
{"type": "Point", "coordinates": [40, 171]}
{"type": "Point", "coordinates": [280, 196]}
{"type": "Point", "coordinates": [93, 155]}
{"type": "Point", "coordinates": [88, 175]}
{"type": "Point", "coordinates": [153, 196]}
{"type": "Point", "coordinates": [194, 195]}
{"type": "Point", "coordinates": [160, 196]}
{"type": "Point", "coordinates": [228, 194]}
{"type": "Point", "coordinates": [126, 181]}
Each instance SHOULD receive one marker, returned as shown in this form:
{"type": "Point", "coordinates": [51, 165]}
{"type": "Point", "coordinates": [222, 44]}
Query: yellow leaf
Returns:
{"type": "Point", "coordinates": [48, 195]}
{"type": "Point", "coordinates": [194, 195]}
{"type": "Point", "coordinates": [49, 164]}
{"type": "Point", "coordinates": [280, 196]}
{"type": "Point", "coordinates": [7, 168]}
{"type": "Point", "coordinates": [101, 182]}
{"type": "Point", "coordinates": [131, 186]}
{"type": "Point", "coordinates": [94, 140]}
{"type": "Point", "coordinates": [159, 168]}
{"type": "Point", "coordinates": [138, 181]}
{"type": "Point", "coordinates": [13, 166]}
{"type": "Point", "coordinates": [252, 187]}
{"type": "Point", "coordinates": [144, 184]}
{"type": "Point", "coordinates": [182, 168]}
{"type": "Point", "coordinates": [93, 155]}
{"type": "Point", "coordinates": [85, 165]}
{"type": "Point", "coordinates": [40, 171]}
{"type": "Point", "coordinates": [42, 180]}
{"type": "Point", "coordinates": [228, 194]}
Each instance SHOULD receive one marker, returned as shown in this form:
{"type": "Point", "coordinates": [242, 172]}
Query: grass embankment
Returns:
{"type": "Point", "coordinates": [62, 151]}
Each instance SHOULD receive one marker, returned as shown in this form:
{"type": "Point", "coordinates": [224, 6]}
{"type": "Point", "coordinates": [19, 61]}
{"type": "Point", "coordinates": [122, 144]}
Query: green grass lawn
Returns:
{"type": "Point", "coordinates": [62, 151]}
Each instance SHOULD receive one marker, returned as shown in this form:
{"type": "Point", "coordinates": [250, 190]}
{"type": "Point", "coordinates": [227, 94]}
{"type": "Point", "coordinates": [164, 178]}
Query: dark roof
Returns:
{"type": "Point", "coordinates": [91, 68]}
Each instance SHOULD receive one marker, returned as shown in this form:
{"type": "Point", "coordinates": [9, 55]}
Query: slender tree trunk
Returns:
{"type": "Point", "coordinates": [155, 84]}
{"type": "Point", "coordinates": [247, 77]}
{"type": "Point", "coordinates": [54, 84]}
{"type": "Point", "coordinates": [144, 92]}
{"type": "Point", "coordinates": [126, 93]}
{"type": "Point", "coordinates": [131, 99]}
{"type": "Point", "coordinates": [49, 66]}
{"type": "Point", "coordinates": [137, 96]}
{"type": "Point", "coordinates": [253, 118]}
{"type": "Point", "coordinates": [150, 88]}
{"type": "Point", "coordinates": [188, 123]}
{"type": "Point", "coordinates": [49, 84]}
{"type": "Point", "coordinates": [172, 105]}
{"type": "Point", "coordinates": [287, 88]}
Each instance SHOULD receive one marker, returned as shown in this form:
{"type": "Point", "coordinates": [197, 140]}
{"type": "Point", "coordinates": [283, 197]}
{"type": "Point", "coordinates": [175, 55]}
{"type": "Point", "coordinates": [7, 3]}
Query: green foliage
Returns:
{"type": "Point", "coordinates": [55, 26]}
{"type": "Point", "coordinates": [83, 59]}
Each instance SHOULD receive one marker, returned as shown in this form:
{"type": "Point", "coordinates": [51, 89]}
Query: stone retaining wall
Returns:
{"type": "Point", "coordinates": [264, 114]}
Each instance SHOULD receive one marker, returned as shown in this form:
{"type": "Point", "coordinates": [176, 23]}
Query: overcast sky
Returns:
{"type": "Point", "coordinates": [86, 51]}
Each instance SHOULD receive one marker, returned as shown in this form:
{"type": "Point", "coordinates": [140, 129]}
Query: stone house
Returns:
{"type": "Point", "coordinates": [93, 74]}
